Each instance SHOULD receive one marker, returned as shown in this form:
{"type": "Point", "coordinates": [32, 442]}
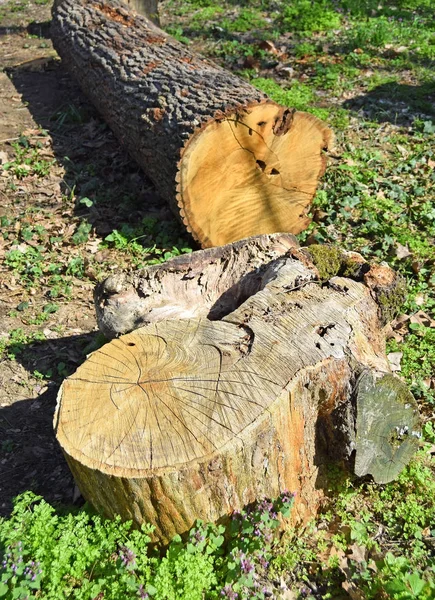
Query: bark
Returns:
{"type": "Point", "coordinates": [189, 418]}
{"type": "Point", "coordinates": [212, 283]}
{"type": "Point", "coordinates": [230, 163]}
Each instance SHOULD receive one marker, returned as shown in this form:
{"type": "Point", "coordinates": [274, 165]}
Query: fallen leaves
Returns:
{"type": "Point", "coordinates": [402, 251]}
{"type": "Point", "coordinates": [394, 359]}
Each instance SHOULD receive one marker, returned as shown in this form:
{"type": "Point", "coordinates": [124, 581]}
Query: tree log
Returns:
{"type": "Point", "coordinates": [188, 418]}
{"type": "Point", "coordinates": [230, 162]}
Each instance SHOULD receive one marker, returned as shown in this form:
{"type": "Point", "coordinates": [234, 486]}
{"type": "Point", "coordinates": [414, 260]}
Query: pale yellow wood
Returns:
{"type": "Point", "coordinates": [178, 391]}
{"type": "Point", "coordinates": [252, 172]}
{"type": "Point", "coordinates": [190, 418]}
{"type": "Point", "coordinates": [156, 398]}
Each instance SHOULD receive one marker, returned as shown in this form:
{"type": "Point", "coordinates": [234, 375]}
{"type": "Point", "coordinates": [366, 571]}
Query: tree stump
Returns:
{"type": "Point", "coordinates": [230, 162]}
{"type": "Point", "coordinates": [188, 418]}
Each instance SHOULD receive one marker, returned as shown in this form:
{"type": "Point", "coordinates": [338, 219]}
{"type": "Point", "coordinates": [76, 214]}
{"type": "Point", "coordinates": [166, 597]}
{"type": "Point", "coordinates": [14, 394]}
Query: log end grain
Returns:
{"type": "Point", "coordinates": [252, 171]}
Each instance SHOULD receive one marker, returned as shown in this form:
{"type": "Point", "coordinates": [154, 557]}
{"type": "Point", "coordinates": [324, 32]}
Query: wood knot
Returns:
{"type": "Point", "coordinates": [283, 121]}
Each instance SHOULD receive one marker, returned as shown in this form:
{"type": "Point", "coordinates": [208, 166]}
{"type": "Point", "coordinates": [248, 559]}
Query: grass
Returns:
{"type": "Point", "coordinates": [367, 68]}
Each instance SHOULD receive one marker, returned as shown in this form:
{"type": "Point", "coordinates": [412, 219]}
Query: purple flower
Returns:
{"type": "Point", "coordinates": [263, 562]}
{"type": "Point", "coordinates": [265, 506]}
{"type": "Point", "coordinates": [142, 592]}
{"type": "Point", "coordinates": [127, 556]}
{"type": "Point", "coordinates": [198, 537]}
{"type": "Point", "coordinates": [228, 592]}
{"type": "Point", "coordinates": [246, 566]}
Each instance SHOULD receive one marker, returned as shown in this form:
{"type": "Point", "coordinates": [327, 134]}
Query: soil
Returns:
{"type": "Point", "coordinates": [39, 100]}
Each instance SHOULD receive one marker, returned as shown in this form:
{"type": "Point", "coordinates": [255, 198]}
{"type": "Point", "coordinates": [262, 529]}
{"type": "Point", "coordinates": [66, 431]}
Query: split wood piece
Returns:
{"type": "Point", "coordinates": [230, 163]}
{"type": "Point", "coordinates": [187, 419]}
{"type": "Point", "coordinates": [209, 283]}
{"type": "Point", "coordinates": [214, 282]}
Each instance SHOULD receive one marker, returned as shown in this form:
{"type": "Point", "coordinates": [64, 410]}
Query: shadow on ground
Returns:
{"type": "Point", "coordinates": [39, 466]}
{"type": "Point", "coordinates": [40, 29]}
{"type": "Point", "coordinates": [396, 103]}
{"type": "Point", "coordinates": [30, 457]}
{"type": "Point", "coordinates": [96, 167]}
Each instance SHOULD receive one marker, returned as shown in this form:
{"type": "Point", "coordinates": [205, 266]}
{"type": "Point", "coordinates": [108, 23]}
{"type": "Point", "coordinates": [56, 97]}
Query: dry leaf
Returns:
{"type": "Point", "coordinates": [359, 553]}
{"type": "Point", "coordinates": [400, 320]}
{"type": "Point", "coordinates": [353, 591]}
{"type": "Point", "coordinates": [402, 251]}
{"type": "Point", "coordinates": [269, 47]}
{"type": "Point", "coordinates": [286, 70]}
{"type": "Point", "coordinates": [420, 299]}
{"type": "Point", "coordinates": [92, 247]}
{"type": "Point", "coordinates": [394, 359]}
{"type": "Point", "coordinates": [421, 318]}
{"type": "Point", "coordinates": [403, 151]}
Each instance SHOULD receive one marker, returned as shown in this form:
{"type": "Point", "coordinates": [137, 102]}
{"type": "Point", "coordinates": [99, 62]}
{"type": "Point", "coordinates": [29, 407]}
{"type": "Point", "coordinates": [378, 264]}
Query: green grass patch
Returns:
{"type": "Point", "coordinates": [306, 16]}
{"type": "Point", "coordinates": [50, 555]}
{"type": "Point", "coordinates": [418, 360]}
{"type": "Point", "coordinates": [299, 95]}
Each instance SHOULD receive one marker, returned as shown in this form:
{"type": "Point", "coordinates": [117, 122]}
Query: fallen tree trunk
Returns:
{"type": "Point", "coordinates": [230, 163]}
{"type": "Point", "coordinates": [190, 418]}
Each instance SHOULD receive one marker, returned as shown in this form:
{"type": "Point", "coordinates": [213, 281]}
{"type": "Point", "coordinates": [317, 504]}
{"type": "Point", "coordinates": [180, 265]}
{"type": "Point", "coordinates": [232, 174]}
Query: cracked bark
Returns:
{"type": "Point", "coordinates": [188, 418]}
{"type": "Point", "coordinates": [230, 163]}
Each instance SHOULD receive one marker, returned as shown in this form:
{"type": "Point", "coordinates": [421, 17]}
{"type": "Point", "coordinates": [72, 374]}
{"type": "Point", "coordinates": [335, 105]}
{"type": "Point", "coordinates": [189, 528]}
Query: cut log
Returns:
{"type": "Point", "coordinates": [230, 162]}
{"type": "Point", "coordinates": [190, 418]}
{"type": "Point", "coordinates": [214, 282]}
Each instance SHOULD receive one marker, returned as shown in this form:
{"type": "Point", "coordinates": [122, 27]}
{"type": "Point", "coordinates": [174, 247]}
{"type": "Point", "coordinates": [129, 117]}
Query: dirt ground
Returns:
{"type": "Point", "coordinates": [39, 99]}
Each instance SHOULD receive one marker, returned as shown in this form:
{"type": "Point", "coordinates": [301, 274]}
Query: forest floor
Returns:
{"type": "Point", "coordinates": [74, 207]}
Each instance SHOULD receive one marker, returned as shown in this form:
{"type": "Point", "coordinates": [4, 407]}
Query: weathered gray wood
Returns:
{"type": "Point", "coordinates": [213, 282]}
{"type": "Point", "coordinates": [210, 283]}
{"type": "Point", "coordinates": [387, 427]}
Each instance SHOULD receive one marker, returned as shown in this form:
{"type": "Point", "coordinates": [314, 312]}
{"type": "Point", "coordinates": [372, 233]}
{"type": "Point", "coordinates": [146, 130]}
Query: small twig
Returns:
{"type": "Point", "coordinates": [9, 140]}
{"type": "Point", "coordinates": [300, 285]}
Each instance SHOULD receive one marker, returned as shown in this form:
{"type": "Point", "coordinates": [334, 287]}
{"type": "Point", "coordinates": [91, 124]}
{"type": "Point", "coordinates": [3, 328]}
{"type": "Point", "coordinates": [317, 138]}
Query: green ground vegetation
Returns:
{"type": "Point", "coordinates": [367, 68]}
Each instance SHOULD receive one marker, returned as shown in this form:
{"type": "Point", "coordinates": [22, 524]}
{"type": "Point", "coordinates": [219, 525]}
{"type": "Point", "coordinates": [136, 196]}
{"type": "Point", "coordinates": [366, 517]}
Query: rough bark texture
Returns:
{"type": "Point", "coordinates": [164, 102]}
{"type": "Point", "coordinates": [192, 418]}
